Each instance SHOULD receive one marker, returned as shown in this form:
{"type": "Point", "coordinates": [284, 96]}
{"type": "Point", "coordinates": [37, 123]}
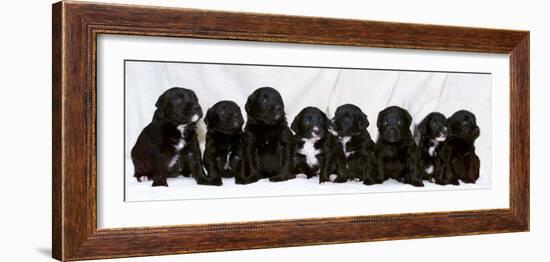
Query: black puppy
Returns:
{"type": "Point", "coordinates": [316, 150]}
{"type": "Point", "coordinates": [433, 132]}
{"type": "Point", "coordinates": [222, 155]}
{"type": "Point", "coordinates": [268, 141]}
{"type": "Point", "coordinates": [350, 125]}
{"type": "Point", "coordinates": [458, 158]}
{"type": "Point", "coordinates": [168, 146]}
{"type": "Point", "coordinates": [397, 154]}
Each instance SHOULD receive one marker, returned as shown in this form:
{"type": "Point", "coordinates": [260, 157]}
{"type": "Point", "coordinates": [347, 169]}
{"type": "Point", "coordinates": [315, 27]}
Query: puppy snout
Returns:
{"type": "Point", "coordinates": [316, 130]}
{"type": "Point", "coordinates": [276, 108]}
{"type": "Point", "coordinates": [346, 123]}
{"type": "Point", "coordinates": [277, 115]}
{"type": "Point", "coordinates": [194, 107]}
{"type": "Point", "coordinates": [443, 131]}
{"type": "Point", "coordinates": [392, 134]}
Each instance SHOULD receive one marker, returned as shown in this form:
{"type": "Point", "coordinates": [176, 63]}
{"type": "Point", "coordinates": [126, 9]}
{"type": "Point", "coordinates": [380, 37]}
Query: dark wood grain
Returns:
{"type": "Point", "coordinates": [76, 26]}
{"type": "Point", "coordinates": [519, 129]}
{"type": "Point", "coordinates": [57, 192]}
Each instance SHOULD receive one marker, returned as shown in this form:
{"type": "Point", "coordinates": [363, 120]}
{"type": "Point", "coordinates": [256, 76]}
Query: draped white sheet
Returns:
{"type": "Point", "coordinates": [326, 88]}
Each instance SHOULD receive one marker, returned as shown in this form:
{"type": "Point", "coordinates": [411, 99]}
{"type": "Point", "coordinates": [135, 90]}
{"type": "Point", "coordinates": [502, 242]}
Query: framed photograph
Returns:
{"type": "Point", "coordinates": [182, 130]}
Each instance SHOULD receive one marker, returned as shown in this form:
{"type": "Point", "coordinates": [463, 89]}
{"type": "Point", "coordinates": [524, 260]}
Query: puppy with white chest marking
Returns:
{"type": "Point", "coordinates": [350, 126]}
{"type": "Point", "coordinates": [458, 159]}
{"type": "Point", "coordinates": [316, 150]}
{"type": "Point", "coordinates": [168, 146]}
{"type": "Point", "coordinates": [432, 131]}
{"type": "Point", "coordinates": [223, 154]}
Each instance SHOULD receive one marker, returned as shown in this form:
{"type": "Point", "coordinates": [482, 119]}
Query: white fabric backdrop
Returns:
{"type": "Point", "coordinates": [326, 88]}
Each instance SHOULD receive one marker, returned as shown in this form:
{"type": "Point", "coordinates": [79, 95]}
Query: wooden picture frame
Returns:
{"type": "Point", "coordinates": [76, 26]}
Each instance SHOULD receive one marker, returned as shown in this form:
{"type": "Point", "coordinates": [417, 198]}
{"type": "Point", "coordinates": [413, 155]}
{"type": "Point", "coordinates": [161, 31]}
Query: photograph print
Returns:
{"type": "Point", "coordinates": [196, 130]}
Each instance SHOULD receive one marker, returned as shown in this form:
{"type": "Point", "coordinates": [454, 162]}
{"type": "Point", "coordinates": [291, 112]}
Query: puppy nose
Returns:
{"type": "Point", "coordinates": [316, 130]}
{"type": "Point", "coordinates": [444, 131]}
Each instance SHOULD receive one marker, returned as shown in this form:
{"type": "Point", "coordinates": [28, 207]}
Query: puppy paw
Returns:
{"type": "Point", "coordinates": [160, 183]}
{"type": "Point", "coordinates": [278, 178]}
{"type": "Point", "coordinates": [205, 182]}
{"type": "Point", "coordinates": [142, 178]}
{"type": "Point", "coordinates": [340, 179]}
{"type": "Point", "coordinates": [417, 183]}
{"type": "Point", "coordinates": [245, 181]}
{"type": "Point", "coordinates": [368, 182]}
{"type": "Point", "coordinates": [216, 182]}
{"type": "Point", "coordinates": [242, 182]}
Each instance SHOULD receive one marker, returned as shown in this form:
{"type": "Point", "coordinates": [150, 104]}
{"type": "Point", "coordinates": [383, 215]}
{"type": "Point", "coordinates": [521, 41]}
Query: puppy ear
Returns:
{"type": "Point", "coordinates": [194, 96]}
{"type": "Point", "coordinates": [249, 102]}
{"type": "Point", "coordinates": [364, 122]}
{"type": "Point", "coordinates": [408, 118]}
{"type": "Point", "coordinates": [476, 132]}
{"type": "Point", "coordinates": [379, 120]}
{"type": "Point", "coordinates": [160, 105]}
{"type": "Point", "coordinates": [422, 127]}
{"type": "Point", "coordinates": [294, 125]}
{"type": "Point", "coordinates": [208, 117]}
{"type": "Point", "coordinates": [326, 121]}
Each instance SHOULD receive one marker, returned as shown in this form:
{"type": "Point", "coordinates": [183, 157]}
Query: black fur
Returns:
{"type": "Point", "coordinates": [162, 150]}
{"type": "Point", "coordinates": [397, 154]}
{"type": "Point", "coordinates": [223, 154]}
{"type": "Point", "coordinates": [351, 123]}
{"type": "Point", "coordinates": [458, 158]}
{"type": "Point", "coordinates": [311, 128]}
{"type": "Point", "coordinates": [268, 148]}
{"type": "Point", "coordinates": [433, 132]}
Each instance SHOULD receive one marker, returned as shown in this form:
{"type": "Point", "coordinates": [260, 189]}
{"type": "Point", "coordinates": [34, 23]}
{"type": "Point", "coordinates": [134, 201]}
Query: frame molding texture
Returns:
{"type": "Point", "coordinates": [75, 26]}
